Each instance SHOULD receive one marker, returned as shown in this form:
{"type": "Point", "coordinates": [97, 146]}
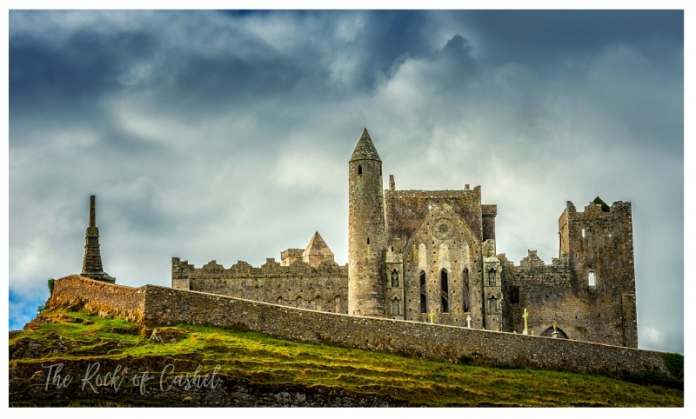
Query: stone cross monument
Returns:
{"type": "Point", "coordinates": [92, 263]}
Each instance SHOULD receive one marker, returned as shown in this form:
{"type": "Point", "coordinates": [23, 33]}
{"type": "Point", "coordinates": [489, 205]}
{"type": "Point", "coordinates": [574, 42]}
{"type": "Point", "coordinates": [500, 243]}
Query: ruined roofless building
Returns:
{"type": "Point", "coordinates": [431, 256]}
{"type": "Point", "coordinates": [316, 253]}
{"type": "Point", "coordinates": [92, 262]}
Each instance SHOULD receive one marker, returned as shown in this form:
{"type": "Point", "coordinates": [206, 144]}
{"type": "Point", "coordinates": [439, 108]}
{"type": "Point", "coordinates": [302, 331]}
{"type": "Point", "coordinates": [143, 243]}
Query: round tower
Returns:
{"type": "Point", "coordinates": [366, 230]}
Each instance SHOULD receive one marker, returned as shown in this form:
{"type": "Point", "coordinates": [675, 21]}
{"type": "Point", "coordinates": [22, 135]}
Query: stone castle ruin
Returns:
{"type": "Point", "coordinates": [431, 256]}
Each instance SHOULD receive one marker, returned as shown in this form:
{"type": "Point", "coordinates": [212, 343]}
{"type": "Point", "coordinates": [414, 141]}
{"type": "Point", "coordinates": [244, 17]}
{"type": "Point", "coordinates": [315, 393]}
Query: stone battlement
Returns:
{"type": "Point", "coordinates": [532, 270]}
{"type": "Point", "coordinates": [599, 209]}
{"type": "Point", "coordinates": [441, 194]}
{"type": "Point", "coordinates": [489, 210]}
{"type": "Point", "coordinates": [156, 306]}
{"type": "Point", "coordinates": [324, 287]}
{"type": "Point", "coordinates": [181, 269]}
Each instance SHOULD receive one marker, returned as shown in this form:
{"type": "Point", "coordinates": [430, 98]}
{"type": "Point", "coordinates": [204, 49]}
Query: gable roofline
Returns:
{"type": "Point", "coordinates": [317, 246]}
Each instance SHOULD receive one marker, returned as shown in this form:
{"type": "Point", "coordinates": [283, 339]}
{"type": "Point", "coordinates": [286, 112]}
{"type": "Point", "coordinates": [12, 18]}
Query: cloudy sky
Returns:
{"type": "Point", "coordinates": [223, 135]}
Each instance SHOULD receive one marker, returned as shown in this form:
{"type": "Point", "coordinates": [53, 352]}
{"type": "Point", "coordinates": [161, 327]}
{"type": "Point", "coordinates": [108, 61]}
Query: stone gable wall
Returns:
{"type": "Point", "coordinates": [430, 251]}
{"type": "Point", "coordinates": [406, 209]}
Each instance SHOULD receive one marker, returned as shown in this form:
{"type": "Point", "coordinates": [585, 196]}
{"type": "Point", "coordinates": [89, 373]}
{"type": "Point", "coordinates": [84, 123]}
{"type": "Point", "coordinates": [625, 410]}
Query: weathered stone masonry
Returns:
{"type": "Point", "coordinates": [155, 306]}
{"type": "Point", "coordinates": [431, 256]}
{"type": "Point", "coordinates": [589, 290]}
{"type": "Point", "coordinates": [98, 297]}
{"type": "Point", "coordinates": [298, 285]}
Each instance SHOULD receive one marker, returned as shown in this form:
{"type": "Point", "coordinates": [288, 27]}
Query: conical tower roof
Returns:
{"type": "Point", "coordinates": [317, 246]}
{"type": "Point", "coordinates": [364, 149]}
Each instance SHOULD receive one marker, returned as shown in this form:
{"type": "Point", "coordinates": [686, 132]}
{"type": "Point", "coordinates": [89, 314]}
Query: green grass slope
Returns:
{"type": "Point", "coordinates": [343, 376]}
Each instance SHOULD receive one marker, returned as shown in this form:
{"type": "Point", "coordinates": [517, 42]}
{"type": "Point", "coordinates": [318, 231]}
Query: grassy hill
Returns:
{"type": "Point", "coordinates": [254, 369]}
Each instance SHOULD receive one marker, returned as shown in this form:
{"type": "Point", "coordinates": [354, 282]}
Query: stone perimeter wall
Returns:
{"type": "Point", "coordinates": [98, 297]}
{"type": "Point", "coordinates": [153, 305]}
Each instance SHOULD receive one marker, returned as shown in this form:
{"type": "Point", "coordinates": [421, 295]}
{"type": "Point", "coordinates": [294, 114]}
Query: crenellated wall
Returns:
{"type": "Point", "coordinates": [598, 243]}
{"type": "Point", "coordinates": [551, 295]}
{"type": "Point", "coordinates": [298, 285]}
{"type": "Point", "coordinates": [434, 270]}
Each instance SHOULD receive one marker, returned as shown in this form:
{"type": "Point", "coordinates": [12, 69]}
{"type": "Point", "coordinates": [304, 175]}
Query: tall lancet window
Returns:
{"type": "Point", "coordinates": [465, 289]}
{"type": "Point", "coordinates": [396, 306]}
{"type": "Point", "coordinates": [444, 291]}
{"type": "Point", "coordinates": [492, 305]}
{"type": "Point", "coordinates": [395, 278]}
{"type": "Point", "coordinates": [491, 277]}
{"type": "Point", "coordinates": [591, 279]}
{"type": "Point", "coordinates": [423, 293]}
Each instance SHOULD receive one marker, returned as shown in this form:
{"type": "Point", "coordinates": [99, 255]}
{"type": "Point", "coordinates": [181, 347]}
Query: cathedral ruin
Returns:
{"type": "Point", "coordinates": [431, 256]}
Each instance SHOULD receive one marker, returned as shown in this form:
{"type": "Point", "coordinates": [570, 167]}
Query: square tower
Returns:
{"type": "Point", "coordinates": [598, 245]}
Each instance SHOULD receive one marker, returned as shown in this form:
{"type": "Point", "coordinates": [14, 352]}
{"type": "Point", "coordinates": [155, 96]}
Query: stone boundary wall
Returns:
{"type": "Point", "coordinates": [166, 306]}
{"type": "Point", "coordinates": [98, 297]}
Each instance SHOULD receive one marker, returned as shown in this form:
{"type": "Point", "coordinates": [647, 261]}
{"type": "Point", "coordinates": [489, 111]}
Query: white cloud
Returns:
{"type": "Point", "coordinates": [651, 337]}
{"type": "Point", "coordinates": [313, 170]}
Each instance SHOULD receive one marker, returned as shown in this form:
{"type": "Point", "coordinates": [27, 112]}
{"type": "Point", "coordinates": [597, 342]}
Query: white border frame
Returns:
{"type": "Point", "coordinates": [305, 413]}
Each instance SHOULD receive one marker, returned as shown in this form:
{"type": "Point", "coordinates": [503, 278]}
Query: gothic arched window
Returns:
{"type": "Point", "coordinates": [465, 289]}
{"type": "Point", "coordinates": [395, 278]}
{"type": "Point", "coordinates": [396, 306]}
{"type": "Point", "coordinates": [423, 293]}
{"type": "Point", "coordinates": [444, 291]}
{"type": "Point", "coordinates": [491, 277]}
{"type": "Point", "coordinates": [492, 305]}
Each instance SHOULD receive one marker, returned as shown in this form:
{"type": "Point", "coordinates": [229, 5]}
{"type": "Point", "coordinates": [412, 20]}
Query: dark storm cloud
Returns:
{"type": "Point", "coordinates": [390, 38]}
{"type": "Point", "coordinates": [225, 135]}
{"type": "Point", "coordinates": [78, 71]}
{"type": "Point", "coordinates": [535, 37]}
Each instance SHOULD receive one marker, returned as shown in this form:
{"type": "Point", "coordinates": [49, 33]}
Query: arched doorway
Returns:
{"type": "Point", "coordinates": [560, 333]}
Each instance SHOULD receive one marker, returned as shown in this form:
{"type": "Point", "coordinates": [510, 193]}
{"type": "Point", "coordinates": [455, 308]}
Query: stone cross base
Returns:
{"type": "Point", "coordinates": [99, 276]}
